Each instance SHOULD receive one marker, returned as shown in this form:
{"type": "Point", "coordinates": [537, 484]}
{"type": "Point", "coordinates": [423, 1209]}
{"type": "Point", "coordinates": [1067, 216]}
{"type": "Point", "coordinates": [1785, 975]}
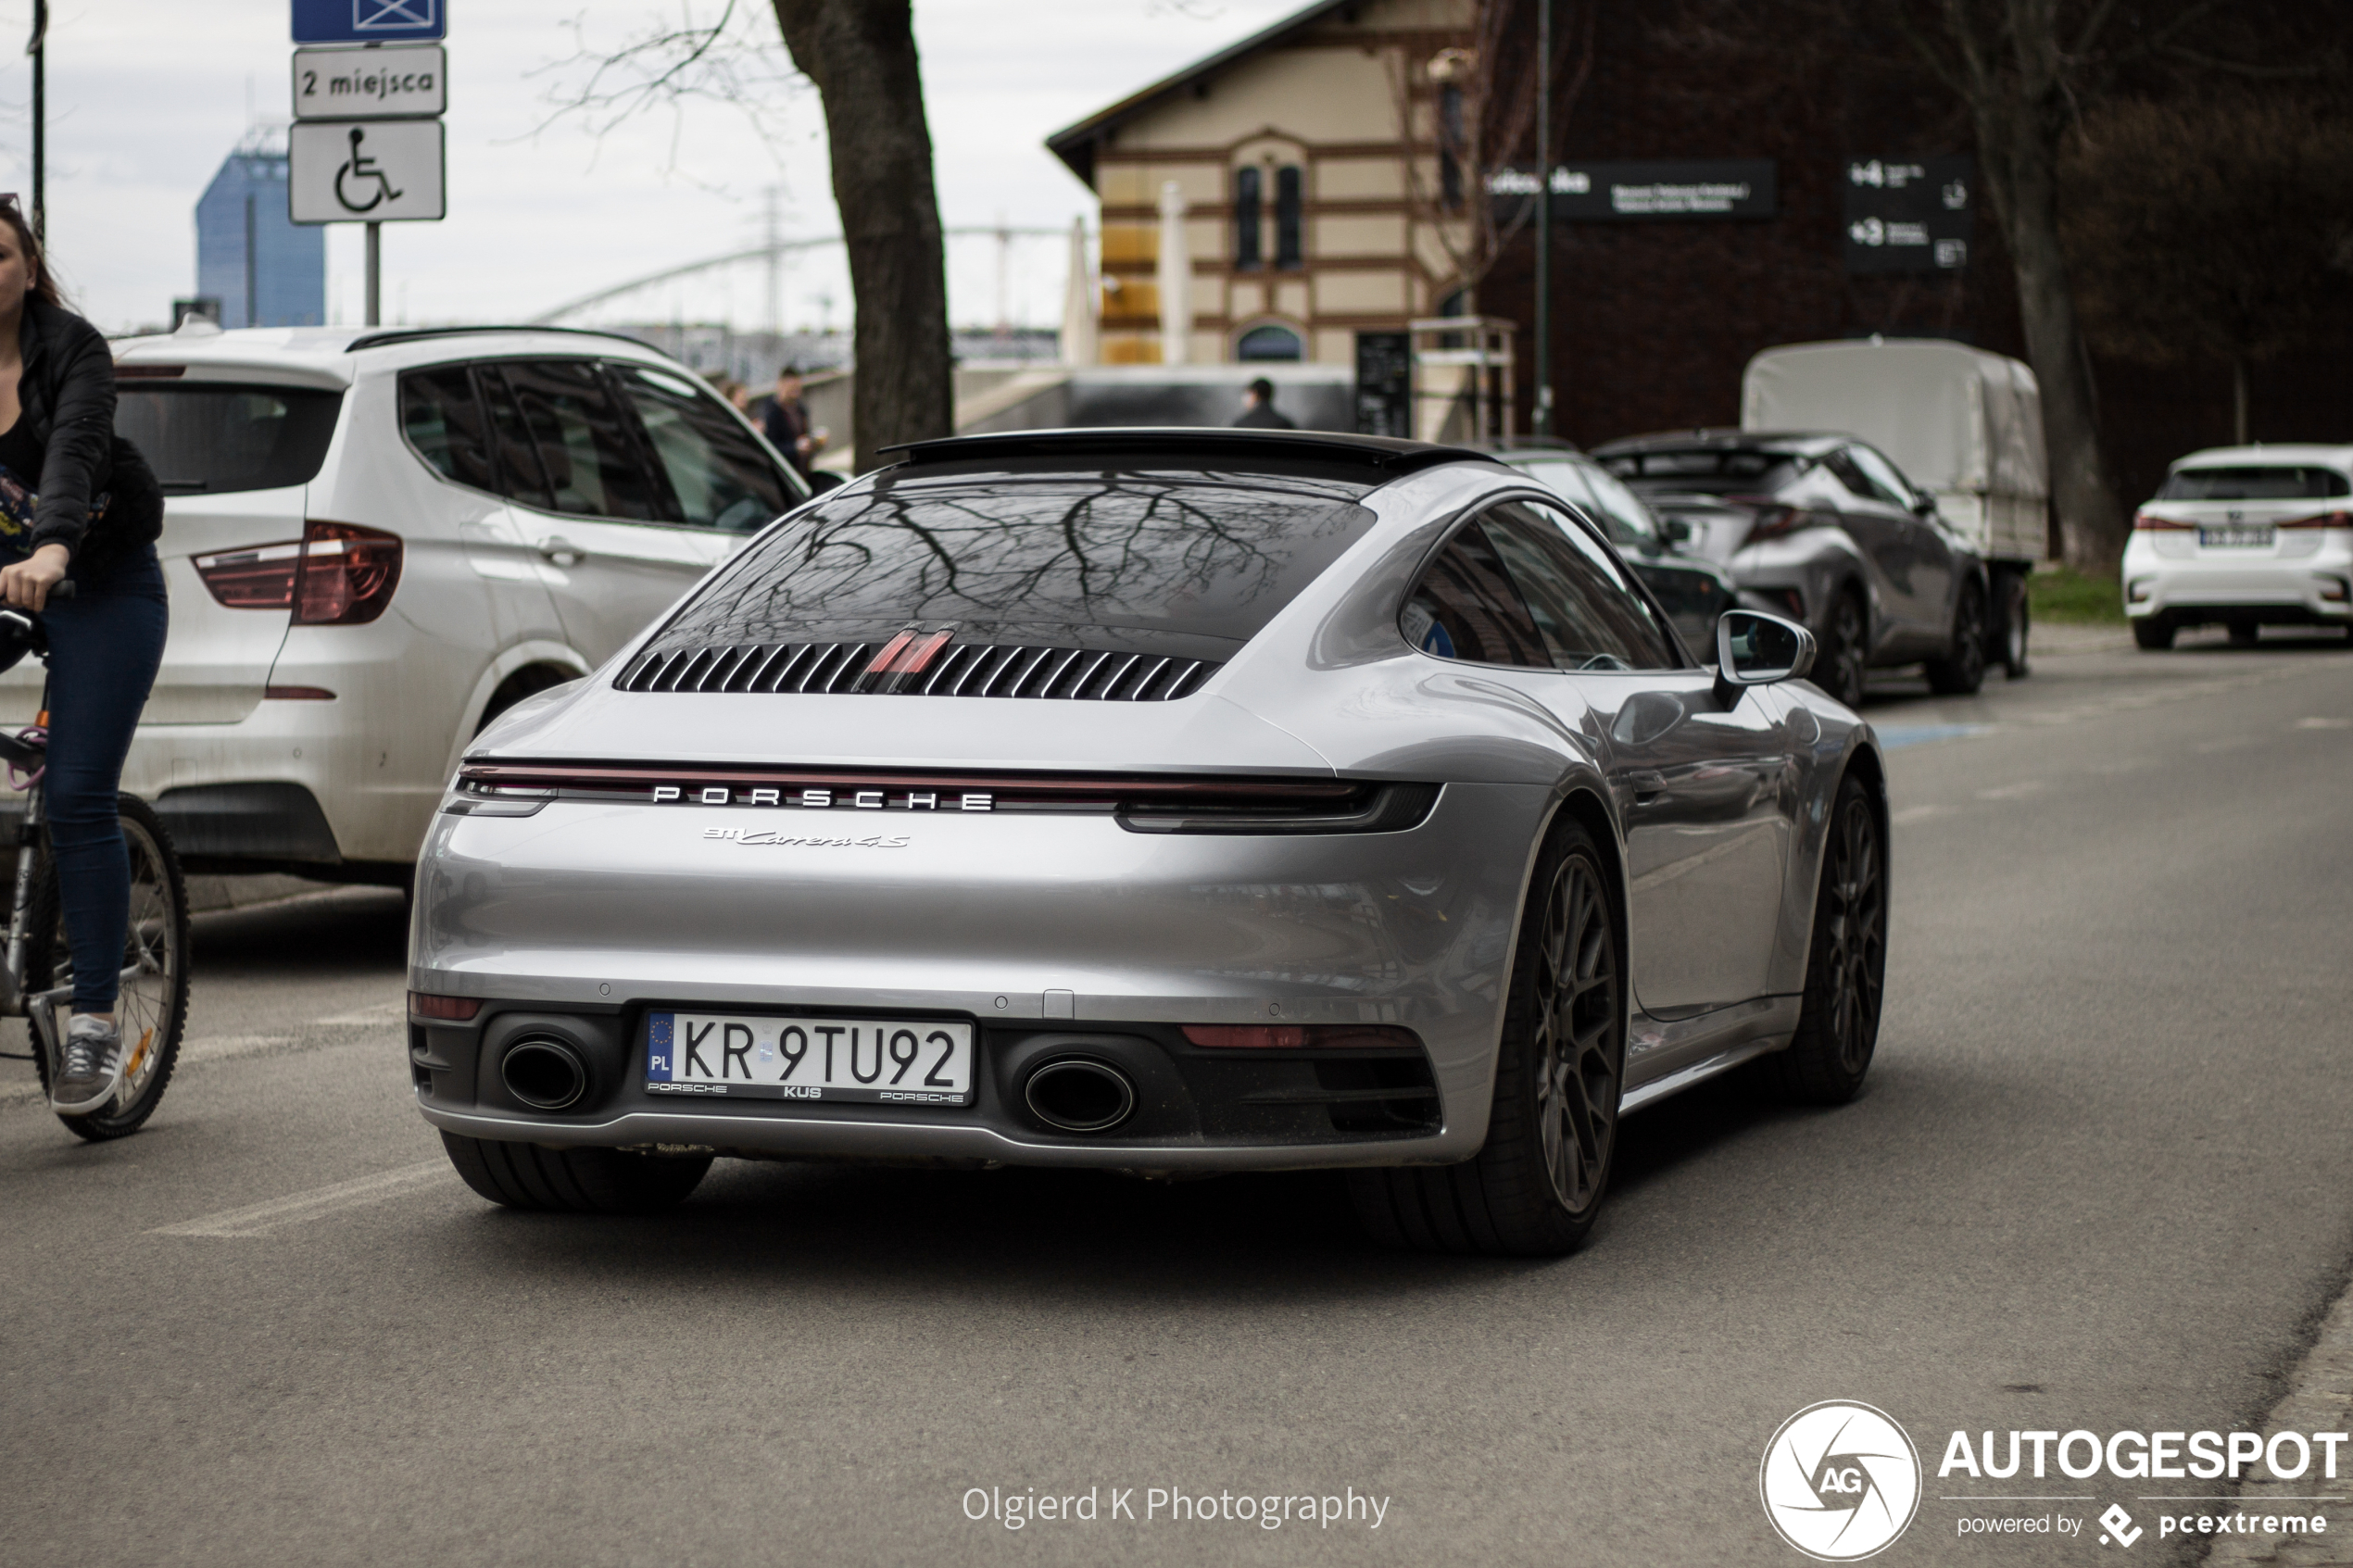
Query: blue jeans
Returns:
{"type": "Point", "coordinates": [105, 646]}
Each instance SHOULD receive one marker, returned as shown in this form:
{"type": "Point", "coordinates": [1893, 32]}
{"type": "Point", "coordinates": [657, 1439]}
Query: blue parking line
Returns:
{"type": "Point", "coordinates": [1894, 737]}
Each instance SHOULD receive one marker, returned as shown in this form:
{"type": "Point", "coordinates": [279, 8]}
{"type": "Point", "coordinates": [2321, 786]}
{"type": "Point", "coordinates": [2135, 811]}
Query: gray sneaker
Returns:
{"type": "Point", "coordinates": [93, 1067]}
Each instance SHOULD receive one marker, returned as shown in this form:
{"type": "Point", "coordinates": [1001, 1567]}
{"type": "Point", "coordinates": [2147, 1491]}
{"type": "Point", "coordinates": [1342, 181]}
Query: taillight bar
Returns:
{"type": "Point", "coordinates": [2149, 522]}
{"type": "Point", "coordinates": [336, 574]}
{"type": "Point", "coordinates": [2325, 520]}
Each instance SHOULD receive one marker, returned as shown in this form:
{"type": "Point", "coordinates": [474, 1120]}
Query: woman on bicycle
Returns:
{"type": "Point", "coordinates": [79, 503]}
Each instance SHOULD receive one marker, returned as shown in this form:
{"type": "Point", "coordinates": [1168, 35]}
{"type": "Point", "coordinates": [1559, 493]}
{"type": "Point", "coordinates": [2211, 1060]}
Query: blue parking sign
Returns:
{"type": "Point", "coordinates": [369, 22]}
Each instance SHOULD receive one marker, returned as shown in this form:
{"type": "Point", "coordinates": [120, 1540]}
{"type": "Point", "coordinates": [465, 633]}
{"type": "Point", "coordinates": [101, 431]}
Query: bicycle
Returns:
{"type": "Point", "coordinates": [37, 978]}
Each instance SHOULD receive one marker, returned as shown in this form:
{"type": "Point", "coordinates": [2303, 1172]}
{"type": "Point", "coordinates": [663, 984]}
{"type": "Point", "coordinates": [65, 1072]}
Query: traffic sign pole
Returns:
{"type": "Point", "coordinates": [375, 275]}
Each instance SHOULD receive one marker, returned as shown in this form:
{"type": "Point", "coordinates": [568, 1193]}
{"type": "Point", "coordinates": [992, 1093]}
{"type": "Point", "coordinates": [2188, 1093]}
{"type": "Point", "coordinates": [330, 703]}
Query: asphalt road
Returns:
{"type": "Point", "coordinates": [2100, 1178]}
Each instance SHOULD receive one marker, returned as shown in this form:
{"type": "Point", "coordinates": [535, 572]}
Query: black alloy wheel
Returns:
{"type": "Point", "coordinates": [1846, 967]}
{"type": "Point", "coordinates": [1845, 650]}
{"type": "Point", "coordinates": [1962, 670]}
{"type": "Point", "coordinates": [1536, 1186]}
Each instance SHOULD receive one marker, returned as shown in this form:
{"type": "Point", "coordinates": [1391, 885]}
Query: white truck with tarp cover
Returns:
{"type": "Point", "coordinates": [1963, 424]}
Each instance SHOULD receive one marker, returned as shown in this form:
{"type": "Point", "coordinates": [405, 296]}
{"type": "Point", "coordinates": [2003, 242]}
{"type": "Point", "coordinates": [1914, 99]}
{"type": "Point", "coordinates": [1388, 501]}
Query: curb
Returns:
{"type": "Point", "coordinates": [2320, 1399]}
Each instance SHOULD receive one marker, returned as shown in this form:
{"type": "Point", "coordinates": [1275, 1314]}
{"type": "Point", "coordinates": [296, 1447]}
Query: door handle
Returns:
{"type": "Point", "coordinates": [1647, 783]}
{"type": "Point", "coordinates": [561, 551]}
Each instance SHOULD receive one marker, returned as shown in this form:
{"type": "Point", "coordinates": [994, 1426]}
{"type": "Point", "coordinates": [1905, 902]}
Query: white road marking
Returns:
{"type": "Point", "coordinates": [396, 1011]}
{"type": "Point", "coordinates": [261, 1218]}
{"type": "Point", "coordinates": [1915, 814]}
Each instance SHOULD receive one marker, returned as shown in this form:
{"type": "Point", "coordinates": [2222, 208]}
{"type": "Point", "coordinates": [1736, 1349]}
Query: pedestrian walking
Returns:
{"type": "Point", "coordinates": [1258, 408]}
{"type": "Point", "coordinates": [79, 503]}
{"type": "Point", "coordinates": [787, 423]}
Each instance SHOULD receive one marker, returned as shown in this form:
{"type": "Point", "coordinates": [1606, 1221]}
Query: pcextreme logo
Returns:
{"type": "Point", "coordinates": [1840, 1481]}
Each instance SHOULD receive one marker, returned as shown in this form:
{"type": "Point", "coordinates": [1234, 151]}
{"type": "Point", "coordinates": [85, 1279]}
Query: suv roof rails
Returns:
{"type": "Point", "coordinates": [418, 334]}
{"type": "Point", "coordinates": [1385, 454]}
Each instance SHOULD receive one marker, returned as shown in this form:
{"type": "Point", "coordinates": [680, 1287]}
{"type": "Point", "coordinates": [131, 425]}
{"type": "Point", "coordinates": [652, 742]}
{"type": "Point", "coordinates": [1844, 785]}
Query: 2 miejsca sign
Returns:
{"type": "Point", "coordinates": [397, 82]}
{"type": "Point", "coordinates": [366, 171]}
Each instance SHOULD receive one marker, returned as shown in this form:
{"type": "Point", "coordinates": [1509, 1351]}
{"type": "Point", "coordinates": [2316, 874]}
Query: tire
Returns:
{"type": "Point", "coordinates": [530, 681]}
{"type": "Point", "coordinates": [2154, 634]}
{"type": "Point", "coordinates": [574, 1181]}
{"type": "Point", "coordinates": [2245, 633]}
{"type": "Point", "coordinates": [1961, 673]}
{"type": "Point", "coordinates": [1845, 650]}
{"type": "Point", "coordinates": [1845, 963]}
{"type": "Point", "coordinates": [1536, 1186]}
{"type": "Point", "coordinates": [154, 1004]}
{"type": "Point", "coordinates": [2017, 621]}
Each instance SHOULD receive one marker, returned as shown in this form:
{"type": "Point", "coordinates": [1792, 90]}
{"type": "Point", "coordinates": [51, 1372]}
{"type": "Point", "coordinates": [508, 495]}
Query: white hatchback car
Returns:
{"type": "Point", "coordinates": [375, 541]}
{"type": "Point", "coordinates": [2248, 536]}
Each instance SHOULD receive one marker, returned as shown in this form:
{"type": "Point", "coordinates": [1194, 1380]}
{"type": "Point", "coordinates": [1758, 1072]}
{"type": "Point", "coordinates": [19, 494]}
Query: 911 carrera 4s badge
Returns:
{"type": "Point", "coordinates": [771, 838]}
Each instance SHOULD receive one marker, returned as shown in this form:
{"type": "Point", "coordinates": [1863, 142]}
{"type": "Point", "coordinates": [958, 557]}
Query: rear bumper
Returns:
{"type": "Point", "coordinates": [1195, 1110]}
{"type": "Point", "coordinates": [2314, 588]}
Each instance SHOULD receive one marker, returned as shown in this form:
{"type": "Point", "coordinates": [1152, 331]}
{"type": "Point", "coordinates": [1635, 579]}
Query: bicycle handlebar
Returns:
{"type": "Point", "coordinates": [63, 589]}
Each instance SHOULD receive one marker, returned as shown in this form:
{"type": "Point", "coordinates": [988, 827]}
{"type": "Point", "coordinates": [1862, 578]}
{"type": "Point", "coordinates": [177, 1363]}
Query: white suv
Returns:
{"type": "Point", "coordinates": [2249, 536]}
{"type": "Point", "coordinates": [377, 540]}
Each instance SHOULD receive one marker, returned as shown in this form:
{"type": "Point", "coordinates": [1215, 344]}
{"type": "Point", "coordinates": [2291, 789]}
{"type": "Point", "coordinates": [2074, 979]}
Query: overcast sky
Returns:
{"type": "Point", "coordinates": [147, 96]}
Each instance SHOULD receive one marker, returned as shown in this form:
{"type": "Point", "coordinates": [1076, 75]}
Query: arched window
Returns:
{"type": "Point", "coordinates": [1269, 343]}
{"type": "Point", "coordinates": [1288, 198]}
{"type": "Point", "coordinates": [1249, 204]}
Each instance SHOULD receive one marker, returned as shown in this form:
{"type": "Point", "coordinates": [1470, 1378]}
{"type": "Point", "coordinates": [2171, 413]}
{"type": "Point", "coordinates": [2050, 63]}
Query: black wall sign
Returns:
{"type": "Point", "coordinates": [1593, 193]}
{"type": "Point", "coordinates": [1909, 215]}
{"type": "Point", "coordinates": [1385, 383]}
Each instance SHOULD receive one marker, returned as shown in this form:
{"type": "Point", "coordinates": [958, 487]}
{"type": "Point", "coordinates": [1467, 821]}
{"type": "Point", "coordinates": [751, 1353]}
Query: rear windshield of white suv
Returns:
{"type": "Point", "coordinates": [1195, 556]}
{"type": "Point", "coordinates": [205, 440]}
{"type": "Point", "coordinates": [2267, 481]}
{"type": "Point", "coordinates": [1706, 471]}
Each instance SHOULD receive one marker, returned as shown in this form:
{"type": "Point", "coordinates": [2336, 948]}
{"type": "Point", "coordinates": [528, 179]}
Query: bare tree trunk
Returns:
{"type": "Point", "coordinates": [2238, 399]}
{"type": "Point", "coordinates": [2018, 143]}
{"type": "Point", "coordinates": [862, 56]}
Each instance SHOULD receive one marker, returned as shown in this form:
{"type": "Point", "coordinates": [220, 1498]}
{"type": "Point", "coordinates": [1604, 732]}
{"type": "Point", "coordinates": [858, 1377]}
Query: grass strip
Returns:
{"type": "Point", "coordinates": [2064, 596]}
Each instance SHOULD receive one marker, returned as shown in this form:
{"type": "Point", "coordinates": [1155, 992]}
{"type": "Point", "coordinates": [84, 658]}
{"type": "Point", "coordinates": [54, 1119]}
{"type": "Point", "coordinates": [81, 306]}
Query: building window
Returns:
{"type": "Point", "coordinates": [1269, 343]}
{"type": "Point", "coordinates": [1248, 205]}
{"type": "Point", "coordinates": [1287, 253]}
{"type": "Point", "coordinates": [1449, 138]}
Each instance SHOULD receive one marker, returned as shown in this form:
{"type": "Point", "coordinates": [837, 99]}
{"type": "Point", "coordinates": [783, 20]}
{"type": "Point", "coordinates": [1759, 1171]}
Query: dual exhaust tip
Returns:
{"type": "Point", "coordinates": [544, 1073]}
{"type": "Point", "coordinates": [1079, 1096]}
{"type": "Point", "coordinates": [1074, 1094]}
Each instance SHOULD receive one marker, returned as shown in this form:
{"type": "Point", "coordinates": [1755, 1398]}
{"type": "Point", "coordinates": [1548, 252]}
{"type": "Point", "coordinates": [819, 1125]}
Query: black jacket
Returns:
{"type": "Point", "coordinates": [67, 396]}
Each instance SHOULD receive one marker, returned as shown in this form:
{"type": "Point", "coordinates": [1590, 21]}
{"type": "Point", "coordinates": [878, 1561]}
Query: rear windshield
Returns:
{"type": "Point", "coordinates": [1134, 559]}
{"type": "Point", "coordinates": [1709, 470]}
{"type": "Point", "coordinates": [208, 439]}
{"type": "Point", "coordinates": [2267, 482]}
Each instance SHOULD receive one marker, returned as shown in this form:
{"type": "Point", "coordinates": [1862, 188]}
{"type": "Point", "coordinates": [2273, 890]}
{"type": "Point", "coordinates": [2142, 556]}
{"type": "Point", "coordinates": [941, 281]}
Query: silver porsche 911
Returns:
{"type": "Point", "coordinates": [1163, 801]}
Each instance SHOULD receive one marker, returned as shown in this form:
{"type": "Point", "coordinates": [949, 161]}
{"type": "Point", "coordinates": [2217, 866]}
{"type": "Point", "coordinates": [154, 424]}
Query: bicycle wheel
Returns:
{"type": "Point", "coordinates": [153, 1008]}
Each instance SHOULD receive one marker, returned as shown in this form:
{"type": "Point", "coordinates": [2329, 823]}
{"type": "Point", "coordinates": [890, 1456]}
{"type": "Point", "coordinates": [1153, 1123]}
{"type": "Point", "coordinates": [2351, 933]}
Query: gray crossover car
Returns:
{"type": "Point", "coordinates": [1825, 530]}
{"type": "Point", "coordinates": [1164, 801]}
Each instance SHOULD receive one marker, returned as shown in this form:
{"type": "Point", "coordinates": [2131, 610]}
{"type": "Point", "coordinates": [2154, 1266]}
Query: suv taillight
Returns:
{"type": "Point", "coordinates": [261, 578]}
{"type": "Point", "coordinates": [2149, 522]}
{"type": "Point", "coordinates": [348, 575]}
{"type": "Point", "coordinates": [340, 574]}
{"type": "Point", "coordinates": [2325, 520]}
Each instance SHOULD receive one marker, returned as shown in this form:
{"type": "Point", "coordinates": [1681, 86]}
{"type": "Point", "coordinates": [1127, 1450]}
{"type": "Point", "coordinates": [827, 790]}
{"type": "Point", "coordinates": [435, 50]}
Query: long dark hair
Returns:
{"type": "Point", "coordinates": [44, 286]}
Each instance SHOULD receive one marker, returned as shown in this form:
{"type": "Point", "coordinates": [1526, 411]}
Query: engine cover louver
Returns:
{"type": "Point", "coordinates": [969, 670]}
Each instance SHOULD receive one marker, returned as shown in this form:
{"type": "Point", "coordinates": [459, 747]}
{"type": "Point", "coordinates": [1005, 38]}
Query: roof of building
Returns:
{"type": "Point", "coordinates": [1076, 144]}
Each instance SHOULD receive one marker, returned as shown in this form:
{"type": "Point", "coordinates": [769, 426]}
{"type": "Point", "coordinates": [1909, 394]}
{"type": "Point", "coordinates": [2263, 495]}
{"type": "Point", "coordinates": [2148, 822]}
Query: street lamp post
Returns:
{"type": "Point", "coordinates": [1542, 423]}
{"type": "Point", "coordinates": [37, 46]}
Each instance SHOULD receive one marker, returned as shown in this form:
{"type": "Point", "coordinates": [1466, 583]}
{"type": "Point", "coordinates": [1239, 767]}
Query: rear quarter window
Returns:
{"type": "Point", "coordinates": [205, 439]}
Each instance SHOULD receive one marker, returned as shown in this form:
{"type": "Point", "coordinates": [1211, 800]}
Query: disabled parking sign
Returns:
{"type": "Point", "coordinates": [365, 171]}
{"type": "Point", "coordinates": [369, 21]}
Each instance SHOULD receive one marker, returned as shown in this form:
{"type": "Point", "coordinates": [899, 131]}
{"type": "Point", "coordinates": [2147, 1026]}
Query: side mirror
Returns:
{"type": "Point", "coordinates": [1924, 505]}
{"type": "Point", "coordinates": [1675, 531]}
{"type": "Point", "coordinates": [1755, 650]}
